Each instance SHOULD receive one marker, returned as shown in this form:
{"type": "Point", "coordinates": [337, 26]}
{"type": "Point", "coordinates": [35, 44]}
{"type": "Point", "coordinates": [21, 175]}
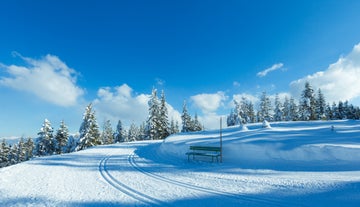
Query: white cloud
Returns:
{"type": "Point", "coordinates": [48, 78]}
{"type": "Point", "coordinates": [268, 70]}
{"type": "Point", "coordinates": [209, 103]}
{"type": "Point", "coordinates": [120, 103]}
{"type": "Point", "coordinates": [340, 81]}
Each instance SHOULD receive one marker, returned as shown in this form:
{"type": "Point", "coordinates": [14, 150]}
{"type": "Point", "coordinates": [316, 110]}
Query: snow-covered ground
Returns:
{"type": "Point", "coordinates": [289, 164]}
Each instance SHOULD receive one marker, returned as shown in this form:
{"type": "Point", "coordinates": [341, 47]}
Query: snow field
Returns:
{"type": "Point", "coordinates": [289, 164]}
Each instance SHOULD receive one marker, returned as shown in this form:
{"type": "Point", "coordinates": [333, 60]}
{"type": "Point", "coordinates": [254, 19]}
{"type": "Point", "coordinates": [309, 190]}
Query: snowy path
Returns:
{"type": "Point", "coordinates": [139, 174]}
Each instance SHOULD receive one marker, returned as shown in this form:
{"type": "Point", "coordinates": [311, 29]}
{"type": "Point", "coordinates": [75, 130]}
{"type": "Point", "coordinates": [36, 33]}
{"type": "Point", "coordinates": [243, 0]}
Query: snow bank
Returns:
{"type": "Point", "coordinates": [286, 145]}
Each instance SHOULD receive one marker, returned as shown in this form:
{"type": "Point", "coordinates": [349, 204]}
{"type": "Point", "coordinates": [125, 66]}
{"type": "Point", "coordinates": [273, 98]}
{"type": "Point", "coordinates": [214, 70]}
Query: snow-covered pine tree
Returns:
{"type": "Point", "coordinates": [21, 153]}
{"type": "Point", "coordinates": [71, 145]}
{"type": "Point", "coordinates": [142, 131]}
{"type": "Point", "coordinates": [107, 135]}
{"type": "Point", "coordinates": [29, 146]}
{"type": "Point", "coordinates": [320, 105]}
{"type": "Point", "coordinates": [174, 127]}
{"type": "Point", "coordinates": [307, 105]}
{"type": "Point", "coordinates": [237, 112]}
{"type": "Point", "coordinates": [163, 118]}
{"type": "Point", "coordinates": [196, 124]}
{"type": "Point", "coordinates": [265, 108]}
{"type": "Point", "coordinates": [46, 141]}
{"type": "Point", "coordinates": [13, 155]}
{"type": "Point", "coordinates": [294, 115]}
{"type": "Point", "coordinates": [4, 154]}
{"type": "Point", "coordinates": [286, 110]}
{"type": "Point", "coordinates": [186, 119]}
{"type": "Point", "coordinates": [119, 132]}
{"type": "Point", "coordinates": [231, 118]}
{"type": "Point", "coordinates": [62, 136]}
{"type": "Point", "coordinates": [133, 133]}
{"type": "Point", "coordinates": [278, 111]}
{"type": "Point", "coordinates": [153, 122]}
{"type": "Point", "coordinates": [89, 130]}
{"type": "Point", "coordinates": [335, 112]}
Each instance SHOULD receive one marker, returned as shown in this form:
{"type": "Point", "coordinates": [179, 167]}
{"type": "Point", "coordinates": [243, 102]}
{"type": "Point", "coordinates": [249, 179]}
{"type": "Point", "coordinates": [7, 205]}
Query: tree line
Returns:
{"type": "Point", "coordinates": [157, 126]}
{"type": "Point", "coordinates": [311, 106]}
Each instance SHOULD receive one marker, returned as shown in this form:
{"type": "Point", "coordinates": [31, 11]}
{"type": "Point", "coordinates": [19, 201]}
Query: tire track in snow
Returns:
{"type": "Point", "coordinates": [270, 202]}
{"type": "Point", "coordinates": [106, 175]}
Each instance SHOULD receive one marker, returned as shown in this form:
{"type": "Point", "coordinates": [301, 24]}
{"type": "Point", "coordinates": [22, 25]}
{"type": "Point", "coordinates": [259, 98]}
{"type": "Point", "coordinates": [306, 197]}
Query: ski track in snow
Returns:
{"type": "Point", "coordinates": [118, 185]}
{"type": "Point", "coordinates": [237, 197]}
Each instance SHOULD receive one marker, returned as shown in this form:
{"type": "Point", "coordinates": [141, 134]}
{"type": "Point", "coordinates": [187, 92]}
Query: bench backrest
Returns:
{"type": "Point", "coordinates": [205, 148]}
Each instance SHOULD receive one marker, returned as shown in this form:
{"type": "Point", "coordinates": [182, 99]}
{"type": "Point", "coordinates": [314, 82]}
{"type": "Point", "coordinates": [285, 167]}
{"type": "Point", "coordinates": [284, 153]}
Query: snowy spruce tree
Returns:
{"type": "Point", "coordinates": [163, 118]}
{"type": "Point", "coordinates": [119, 137]}
{"type": "Point", "coordinates": [265, 111]}
{"type": "Point", "coordinates": [62, 138]}
{"type": "Point", "coordinates": [307, 105]}
{"type": "Point", "coordinates": [153, 122]}
{"type": "Point", "coordinates": [29, 146]}
{"type": "Point", "coordinates": [89, 130]}
{"type": "Point", "coordinates": [107, 135]}
{"type": "Point", "coordinates": [320, 106]}
{"type": "Point", "coordinates": [46, 141]}
{"type": "Point", "coordinates": [186, 119]}
{"type": "Point", "coordinates": [4, 154]}
{"type": "Point", "coordinates": [174, 127]}
{"type": "Point", "coordinates": [278, 111]}
{"type": "Point", "coordinates": [21, 153]}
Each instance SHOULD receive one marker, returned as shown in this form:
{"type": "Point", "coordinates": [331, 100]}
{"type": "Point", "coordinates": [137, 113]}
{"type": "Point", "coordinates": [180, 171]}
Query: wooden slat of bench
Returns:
{"type": "Point", "coordinates": [205, 148]}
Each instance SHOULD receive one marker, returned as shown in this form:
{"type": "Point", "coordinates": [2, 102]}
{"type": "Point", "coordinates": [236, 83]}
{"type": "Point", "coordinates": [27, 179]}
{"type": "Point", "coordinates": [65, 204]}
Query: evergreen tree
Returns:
{"type": "Point", "coordinates": [21, 153]}
{"type": "Point", "coordinates": [197, 125]}
{"type": "Point", "coordinates": [265, 108]}
{"type": "Point", "coordinates": [174, 127]}
{"type": "Point", "coordinates": [29, 146]}
{"type": "Point", "coordinates": [46, 141]}
{"type": "Point", "coordinates": [328, 112]}
{"type": "Point", "coordinates": [164, 120]}
{"type": "Point", "coordinates": [335, 112]}
{"type": "Point", "coordinates": [320, 105]}
{"type": "Point", "coordinates": [293, 110]}
{"type": "Point", "coordinates": [13, 155]}
{"type": "Point", "coordinates": [286, 110]}
{"type": "Point", "coordinates": [133, 133]}
{"type": "Point", "coordinates": [89, 130]}
{"type": "Point", "coordinates": [307, 105]}
{"type": "Point", "coordinates": [4, 154]}
{"type": "Point", "coordinates": [62, 136]}
{"type": "Point", "coordinates": [119, 132]}
{"type": "Point", "coordinates": [231, 119]}
{"type": "Point", "coordinates": [186, 119]}
{"type": "Point", "coordinates": [278, 111]}
{"type": "Point", "coordinates": [107, 134]}
{"type": "Point", "coordinates": [153, 122]}
{"type": "Point", "coordinates": [71, 145]}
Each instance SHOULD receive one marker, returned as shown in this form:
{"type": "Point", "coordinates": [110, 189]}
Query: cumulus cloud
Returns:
{"type": "Point", "coordinates": [276, 66]}
{"type": "Point", "coordinates": [209, 103]}
{"type": "Point", "coordinates": [340, 81]}
{"type": "Point", "coordinates": [120, 103]}
{"type": "Point", "coordinates": [48, 78]}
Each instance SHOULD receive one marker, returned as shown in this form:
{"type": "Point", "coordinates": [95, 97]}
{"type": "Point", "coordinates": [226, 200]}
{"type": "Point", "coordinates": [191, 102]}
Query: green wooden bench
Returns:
{"type": "Point", "coordinates": [206, 151]}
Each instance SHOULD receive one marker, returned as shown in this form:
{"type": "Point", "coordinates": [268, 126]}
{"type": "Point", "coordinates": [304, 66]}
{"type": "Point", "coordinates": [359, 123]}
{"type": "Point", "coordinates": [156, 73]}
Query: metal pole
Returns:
{"type": "Point", "coordinates": [220, 139]}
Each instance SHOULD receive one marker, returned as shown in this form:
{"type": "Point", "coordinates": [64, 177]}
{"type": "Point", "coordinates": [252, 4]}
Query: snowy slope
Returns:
{"type": "Point", "coordinates": [290, 164]}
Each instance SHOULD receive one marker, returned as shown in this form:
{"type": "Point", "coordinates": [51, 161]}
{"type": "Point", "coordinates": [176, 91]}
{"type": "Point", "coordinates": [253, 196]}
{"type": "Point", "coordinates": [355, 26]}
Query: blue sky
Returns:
{"type": "Point", "coordinates": [58, 56]}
